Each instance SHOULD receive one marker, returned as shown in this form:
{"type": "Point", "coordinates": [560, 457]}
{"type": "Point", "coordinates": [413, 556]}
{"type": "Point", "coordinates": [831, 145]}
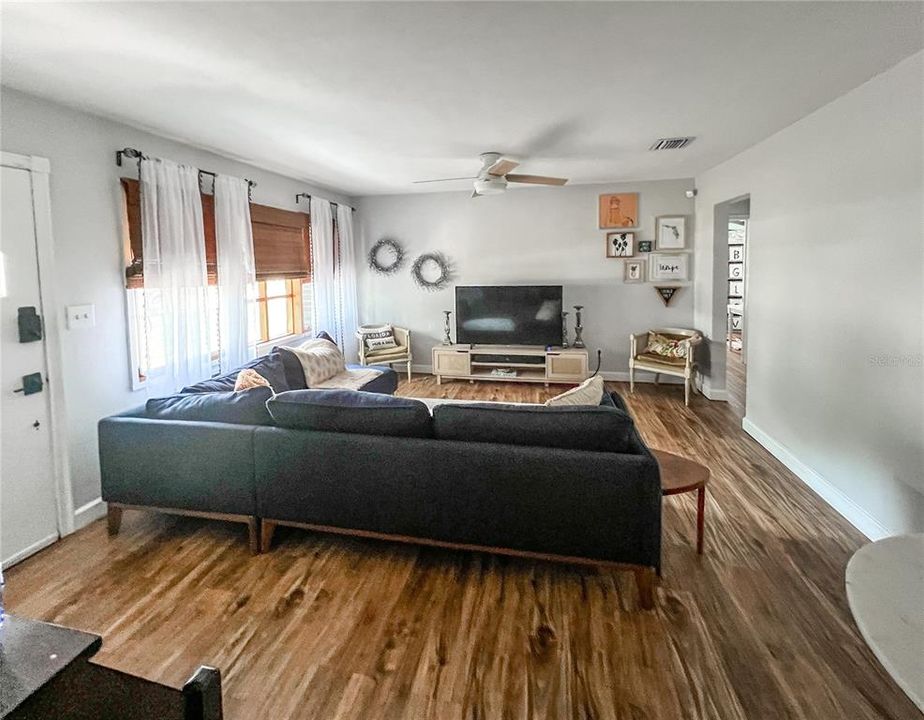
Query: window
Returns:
{"type": "Point", "coordinates": [283, 267]}
{"type": "Point", "coordinates": [281, 308]}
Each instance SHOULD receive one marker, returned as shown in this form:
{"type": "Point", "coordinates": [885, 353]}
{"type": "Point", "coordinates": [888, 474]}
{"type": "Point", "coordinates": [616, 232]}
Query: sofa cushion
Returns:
{"type": "Point", "coordinates": [292, 367]}
{"type": "Point", "coordinates": [270, 366]}
{"type": "Point", "coordinates": [247, 407]}
{"type": "Point", "coordinates": [601, 429]}
{"type": "Point", "coordinates": [350, 411]}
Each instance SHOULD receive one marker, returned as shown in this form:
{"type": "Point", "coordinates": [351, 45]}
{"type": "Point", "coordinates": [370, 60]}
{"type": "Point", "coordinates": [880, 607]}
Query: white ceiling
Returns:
{"type": "Point", "coordinates": [367, 97]}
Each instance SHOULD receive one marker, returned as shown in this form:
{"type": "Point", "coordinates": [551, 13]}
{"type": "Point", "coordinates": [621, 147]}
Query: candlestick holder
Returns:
{"type": "Point", "coordinates": [447, 338]}
{"type": "Point", "coordinates": [578, 327]}
{"type": "Point", "coordinates": [564, 329]}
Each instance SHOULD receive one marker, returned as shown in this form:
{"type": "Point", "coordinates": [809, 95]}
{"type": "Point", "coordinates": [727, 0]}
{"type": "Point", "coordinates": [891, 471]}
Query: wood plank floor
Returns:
{"type": "Point", "coordinates": [328, 627]}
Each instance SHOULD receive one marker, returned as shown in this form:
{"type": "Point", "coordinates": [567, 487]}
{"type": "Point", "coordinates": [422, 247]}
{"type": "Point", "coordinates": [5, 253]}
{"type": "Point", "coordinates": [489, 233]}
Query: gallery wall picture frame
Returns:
{"type": "Point", "coordinates": [618, 210]}
{"type": "Point", "coordinates": [671, 232]}
{"type": "Point", "coordinates": [644, 246]}
{"type": "Point", "coordinates": [666, 293]}
{"type": "Point", "coordinates": [620, 244]}
{"type": "Point", "coordinates": [634, 271]}
{"type": "Point", "coordinates": [669, 266]}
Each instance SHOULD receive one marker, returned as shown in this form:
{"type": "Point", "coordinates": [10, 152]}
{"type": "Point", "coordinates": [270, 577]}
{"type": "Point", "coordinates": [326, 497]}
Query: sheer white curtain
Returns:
{"type": "Point", "coordinates": [323, 281]}
{"type": "Point", "coordinates": [175, 281]}
{"type": "Point", "coordinates": [236, 273]}
{"type": "Point", "coordinates": [346, 280]}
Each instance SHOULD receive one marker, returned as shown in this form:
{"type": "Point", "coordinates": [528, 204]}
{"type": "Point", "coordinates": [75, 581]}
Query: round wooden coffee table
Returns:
{"type": "Point", "coordinates": [680, 475]}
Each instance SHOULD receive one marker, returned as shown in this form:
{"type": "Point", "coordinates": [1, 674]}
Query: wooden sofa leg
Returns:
{"type": "Point", "coordinates": [113, 519]}
{"type": "Point", "coordinates": [253, 534]}
{"type": "Point", "coordinates": [266, 535]}
{"type": "Point", "coordinates": [645, 579]}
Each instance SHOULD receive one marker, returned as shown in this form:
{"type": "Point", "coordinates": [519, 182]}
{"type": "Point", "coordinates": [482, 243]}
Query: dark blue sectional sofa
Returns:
{"type": "Point", "coordinates": [572, 484]}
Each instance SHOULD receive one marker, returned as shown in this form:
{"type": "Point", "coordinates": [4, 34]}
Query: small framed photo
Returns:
{"type": "Point", "coordinates": [620, 244]}
{"type": "Point", "coordinates": [736, 253]}
{"type": "Point", "coordinates": [671, 232]}
{"type": "Point", "coordinates": [634, 271]}
{"type": "Point", "coordinates": [644, 246]}
{"type": "Point", "coordinates": [669, 266]}
{"type": "Point", "coordinates": [619, 210]}
{"type": "Point", "coordinates": [736, 271]}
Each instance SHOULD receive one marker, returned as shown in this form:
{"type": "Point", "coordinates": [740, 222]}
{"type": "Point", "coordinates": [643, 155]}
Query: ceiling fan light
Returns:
{"type": "Point", "coordinates": [490, 186]}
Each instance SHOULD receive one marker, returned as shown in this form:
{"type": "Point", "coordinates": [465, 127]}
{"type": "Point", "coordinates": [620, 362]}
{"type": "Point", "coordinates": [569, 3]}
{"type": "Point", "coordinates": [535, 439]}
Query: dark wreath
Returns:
{"type": "Point", "coordinates": [376, 264]}
{"type": "Point", "coordinates": [442, 262]}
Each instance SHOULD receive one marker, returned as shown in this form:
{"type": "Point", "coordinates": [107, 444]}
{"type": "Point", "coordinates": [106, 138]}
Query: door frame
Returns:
{"type": "Point", "coordinates": [39, 169]}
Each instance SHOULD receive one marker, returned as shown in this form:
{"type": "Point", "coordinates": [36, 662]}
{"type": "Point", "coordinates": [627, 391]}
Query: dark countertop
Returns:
{"type": "Point", "coordinates": [32, 653]}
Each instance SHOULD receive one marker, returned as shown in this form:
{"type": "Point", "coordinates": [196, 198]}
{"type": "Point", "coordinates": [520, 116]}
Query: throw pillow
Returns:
{"type": "Point", "coordinates": [378, 338]}
{"type": "Point", "coordinates": [665, 346]}
{"type": "Point", "coordinates": [269, 366]}
{"type": "Point", "coordinates": [249, 378]}
{"type": "Point", "coordinates": [320, 360]}
{"type": "Point", "coordinates": [589, 392]}
{"type": "Point", "coordinates": [244, 408]}
{"type": "Point", "coordinates": [350, 411]}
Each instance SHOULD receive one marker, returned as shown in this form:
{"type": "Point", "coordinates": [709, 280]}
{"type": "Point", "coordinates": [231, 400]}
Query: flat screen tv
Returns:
{"type": "Point", "coordinates": [508, 315]}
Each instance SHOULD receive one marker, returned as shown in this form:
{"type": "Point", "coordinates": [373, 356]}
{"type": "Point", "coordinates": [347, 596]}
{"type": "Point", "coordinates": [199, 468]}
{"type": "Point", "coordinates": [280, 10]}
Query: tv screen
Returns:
{"type": "Point", "coordinates": [508, 315]}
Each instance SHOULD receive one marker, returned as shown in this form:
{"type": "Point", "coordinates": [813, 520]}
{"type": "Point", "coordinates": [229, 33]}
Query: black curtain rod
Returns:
{"type": "Point", "coordinates": [308, 198]}
{"type": "Point", "coordinates": [133, 154]}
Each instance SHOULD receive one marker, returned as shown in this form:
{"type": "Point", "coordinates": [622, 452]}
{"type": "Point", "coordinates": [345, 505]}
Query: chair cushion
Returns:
{"type": "Point", "coordinates": [350, 411]}
{"type": "Point", "coordinates": [247, 407]}
{"type": "Point", "coordinates": [602, 429]}
{"type": "Point", "coordinates": [399, 353]}
{"type": "Point", "coordinates": [662, 360]}
{"type": "Point", "coordinates": [269, 366]}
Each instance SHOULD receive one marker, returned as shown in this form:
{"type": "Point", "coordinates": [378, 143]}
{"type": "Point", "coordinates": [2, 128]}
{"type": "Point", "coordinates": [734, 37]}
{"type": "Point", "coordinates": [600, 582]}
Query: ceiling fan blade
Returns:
{"type": "Point", "coordinates": [502, 167]}
{"type": "Point", "coordinates": [536, 179]}
{"type": "Point", "coordinates": [418, 182]}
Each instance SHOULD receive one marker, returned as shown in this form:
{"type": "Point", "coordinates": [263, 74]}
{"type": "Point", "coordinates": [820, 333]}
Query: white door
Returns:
{"type": "Point", "coordinates": [28, 509]}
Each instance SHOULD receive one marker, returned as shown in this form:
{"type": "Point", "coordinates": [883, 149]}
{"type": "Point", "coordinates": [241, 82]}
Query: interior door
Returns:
{"type": "Point", "coordinates": [28, 506]}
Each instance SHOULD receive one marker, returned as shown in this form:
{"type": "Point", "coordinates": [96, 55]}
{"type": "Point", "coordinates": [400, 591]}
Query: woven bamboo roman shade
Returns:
{"type": "Point", "coordinates": [281, 239]}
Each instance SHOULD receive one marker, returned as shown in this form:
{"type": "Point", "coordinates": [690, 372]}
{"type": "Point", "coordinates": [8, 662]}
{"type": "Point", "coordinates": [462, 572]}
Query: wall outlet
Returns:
{"type": "Point", "coordinates": [80, 316]}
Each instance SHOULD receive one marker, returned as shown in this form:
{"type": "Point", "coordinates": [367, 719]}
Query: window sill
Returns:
{"type": "Point", "coordinates": [284, 341]}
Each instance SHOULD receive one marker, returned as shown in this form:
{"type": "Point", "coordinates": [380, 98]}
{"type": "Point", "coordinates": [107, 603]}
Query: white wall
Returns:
{"type": "Point", "coordinates": [526, 236]}
{"type": "Point", "coordinates": [835, 376]}
{"type": "Point", "coordinates": [87, 218]}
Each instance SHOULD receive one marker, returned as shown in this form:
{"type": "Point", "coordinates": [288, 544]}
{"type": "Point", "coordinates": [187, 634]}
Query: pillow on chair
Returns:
{"type": "Point", "coordinates": [665, 346]}
{"type": "Point", "coordinates": [377, 338]}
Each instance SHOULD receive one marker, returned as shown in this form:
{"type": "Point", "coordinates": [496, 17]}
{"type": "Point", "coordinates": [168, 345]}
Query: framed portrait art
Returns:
{"type": "Point", "coordinates": [619, 210]}
{"type": "Point", "coordinates": [620, 244]}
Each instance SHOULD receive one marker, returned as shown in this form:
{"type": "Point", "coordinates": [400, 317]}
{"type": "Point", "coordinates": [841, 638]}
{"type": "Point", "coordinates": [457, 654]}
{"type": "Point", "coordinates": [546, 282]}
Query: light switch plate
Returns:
{"type": "Point", "coordinates": [80, 316]}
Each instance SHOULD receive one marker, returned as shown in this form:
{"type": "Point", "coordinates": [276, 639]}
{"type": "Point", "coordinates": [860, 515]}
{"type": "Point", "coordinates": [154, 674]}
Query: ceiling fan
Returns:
{"type": "Point", "coordinates": [495, 174]}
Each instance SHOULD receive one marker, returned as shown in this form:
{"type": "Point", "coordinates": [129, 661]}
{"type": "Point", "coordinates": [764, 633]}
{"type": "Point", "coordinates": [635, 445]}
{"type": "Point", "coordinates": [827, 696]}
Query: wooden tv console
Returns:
{"type": "Point", "coordinates": [532, 364]}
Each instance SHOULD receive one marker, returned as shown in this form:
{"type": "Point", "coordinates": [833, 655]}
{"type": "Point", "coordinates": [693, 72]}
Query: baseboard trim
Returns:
{"type": "Point", "coordinates": [85, 514]}
{"type": "Point", "coordinates": [31, 550]}
{"type": "Point", "coordinates": [845, 506]}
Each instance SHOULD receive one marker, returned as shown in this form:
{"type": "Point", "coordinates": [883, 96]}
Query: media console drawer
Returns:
{"type": "Point", "coordinates": [451, 362]}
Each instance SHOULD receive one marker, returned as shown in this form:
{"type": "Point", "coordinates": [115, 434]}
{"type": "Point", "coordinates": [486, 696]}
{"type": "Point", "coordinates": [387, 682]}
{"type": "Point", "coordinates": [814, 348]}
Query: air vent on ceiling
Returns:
{"type": "Point", "coordinates": [672, 143]}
